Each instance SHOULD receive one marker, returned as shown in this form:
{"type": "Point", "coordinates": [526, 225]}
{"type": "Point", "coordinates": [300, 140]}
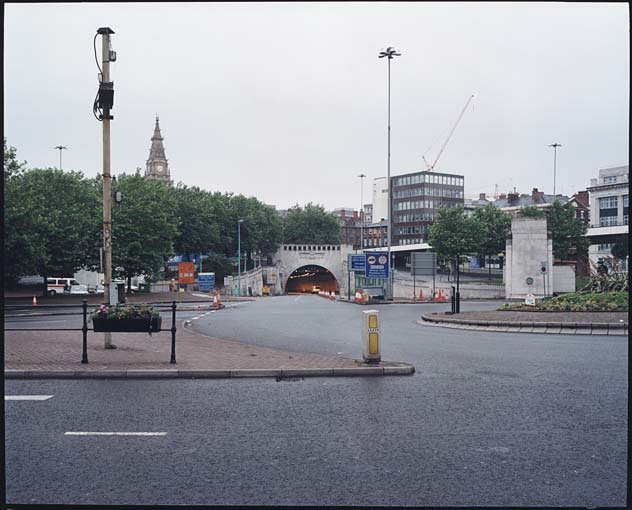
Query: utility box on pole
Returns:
{"type": "Point", "coordinates": [371, 332]}
{"type": "Point", "coordinates": [104, 102]}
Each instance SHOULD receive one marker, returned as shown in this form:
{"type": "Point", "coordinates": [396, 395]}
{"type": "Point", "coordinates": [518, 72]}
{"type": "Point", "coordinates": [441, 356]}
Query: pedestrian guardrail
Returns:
{"type": "Point", "coordinates": [84, 329]}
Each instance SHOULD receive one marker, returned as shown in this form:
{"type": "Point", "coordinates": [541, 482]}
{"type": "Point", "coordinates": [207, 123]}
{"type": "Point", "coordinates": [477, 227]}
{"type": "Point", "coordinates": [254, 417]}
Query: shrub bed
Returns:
{"type": "Point", "coordinates": [577, 302]}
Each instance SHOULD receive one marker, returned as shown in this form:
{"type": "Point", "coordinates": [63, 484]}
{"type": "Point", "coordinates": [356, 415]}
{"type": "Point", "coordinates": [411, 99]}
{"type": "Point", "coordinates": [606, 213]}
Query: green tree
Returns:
{"type": "Point", "coordinates": [568, 232]}
{"type": "Point", "coordinates": [496, 227]}
{"type": "Point", "coordinates": [12, 166]}
{"type": "Point", "coordinates": [219, 265]}
{"type": "Point", "coordinates": [144, 225]}
{"type": "Point", "coordinates": [454, 233]}
{"type": "Point", "coordinates": [531, 211]}
{"type": "Point", "coordinates": [311, 224]}
{"type": "Point", "coordinates": [199, 226]}
{"type": "Point", "coordinates": [50, 223]}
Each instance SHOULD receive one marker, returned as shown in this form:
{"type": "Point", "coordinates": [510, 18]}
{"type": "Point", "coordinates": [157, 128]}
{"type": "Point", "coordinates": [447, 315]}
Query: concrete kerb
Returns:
{"type": "Point", "coordinates": [402, 369]}
{"type": "Point", "coordinates": [586, 328]}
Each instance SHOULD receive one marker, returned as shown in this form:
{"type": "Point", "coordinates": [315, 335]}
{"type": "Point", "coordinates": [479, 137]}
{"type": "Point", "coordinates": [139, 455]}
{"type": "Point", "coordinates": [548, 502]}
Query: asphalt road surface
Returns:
{"type": "Point", "coordinates": [490, 419]}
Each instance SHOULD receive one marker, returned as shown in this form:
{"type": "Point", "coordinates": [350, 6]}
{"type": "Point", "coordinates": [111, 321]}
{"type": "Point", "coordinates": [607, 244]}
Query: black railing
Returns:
{"type": "Point", "coordinates": [84, 328]}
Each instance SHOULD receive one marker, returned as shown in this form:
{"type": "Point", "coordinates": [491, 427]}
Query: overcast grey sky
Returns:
{"type": "Point", "coordinates": [287, 102]}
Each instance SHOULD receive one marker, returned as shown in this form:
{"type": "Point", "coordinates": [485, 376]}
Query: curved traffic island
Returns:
{"type": "Point", "coordinates": [580, 323]}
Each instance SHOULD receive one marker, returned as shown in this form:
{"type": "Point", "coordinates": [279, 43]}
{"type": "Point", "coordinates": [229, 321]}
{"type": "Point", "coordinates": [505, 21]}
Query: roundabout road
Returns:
{"type": "Point", "coordinates": [309, 323]}
{"type": "Point", "coordinates": [493, 419]}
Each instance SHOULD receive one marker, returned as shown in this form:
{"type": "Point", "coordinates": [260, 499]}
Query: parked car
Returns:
{"type": "Point", "coordinates": [76, 289]}
{"type": "Point", "coordinates": [57, 285]}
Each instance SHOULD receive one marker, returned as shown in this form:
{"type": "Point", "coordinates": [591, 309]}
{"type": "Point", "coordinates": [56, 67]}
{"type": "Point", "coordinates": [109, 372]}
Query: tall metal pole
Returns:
{"type": "Point", "coordinates": [555, 146]}
{"type": "Point", "coordinates": [107, 198]}
{"type": "Point", "coordinates": [239, 222]}
{"type": "Point", "coordinates": [388, 180]}
{"type": "Point", "coordinates": [390, 52]}
{"type": "Point", "coordinates": [361, 176]}
{"type": "Point", "coordinates": [61, 148]}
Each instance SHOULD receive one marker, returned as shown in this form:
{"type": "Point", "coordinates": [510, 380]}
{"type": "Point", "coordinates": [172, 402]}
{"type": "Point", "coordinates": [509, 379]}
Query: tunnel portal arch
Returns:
{"type": "Point", "coordinates": [310, 279]}
{"type": "Point", "coordinates": [332, 257]}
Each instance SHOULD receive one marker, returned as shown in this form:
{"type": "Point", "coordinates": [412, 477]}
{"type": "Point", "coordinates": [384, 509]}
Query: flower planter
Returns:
{"type": "Point", "coordinates": [101, 325]}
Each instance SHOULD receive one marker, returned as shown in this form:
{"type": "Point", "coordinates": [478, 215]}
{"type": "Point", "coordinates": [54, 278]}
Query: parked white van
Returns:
{"type": "Point", "coordinates": [57, 285]}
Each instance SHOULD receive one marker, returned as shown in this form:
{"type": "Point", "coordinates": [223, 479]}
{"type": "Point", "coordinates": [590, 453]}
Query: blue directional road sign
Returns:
{"type": "Point", "coordinates": [357, 262]}
{"type": "Point", "coordinates": [206, 281]}
{"type": "Point", "coordinates": [376, 265]}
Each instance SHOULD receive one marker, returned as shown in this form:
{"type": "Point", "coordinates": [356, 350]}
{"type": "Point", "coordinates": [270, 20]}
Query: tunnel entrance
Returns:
{"type": "Point", "coordinates": [311, 279]}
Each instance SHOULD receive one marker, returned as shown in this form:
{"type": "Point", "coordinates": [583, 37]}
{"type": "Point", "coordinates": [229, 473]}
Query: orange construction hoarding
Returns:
{"type": "Point", "coordinates": [185, 272]}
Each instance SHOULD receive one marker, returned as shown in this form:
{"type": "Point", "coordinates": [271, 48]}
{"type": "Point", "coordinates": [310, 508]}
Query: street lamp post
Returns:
{"type": "Point", "coordinates": [555, 146]}
{"type": "Point", "coordinates": [239, 222]}
{"type": "Point", "coordinates": [361, 176]}
{"type": "Point", "coordinates": [390, 53]}
{"type": "Point", "coordinates": [61, 148]}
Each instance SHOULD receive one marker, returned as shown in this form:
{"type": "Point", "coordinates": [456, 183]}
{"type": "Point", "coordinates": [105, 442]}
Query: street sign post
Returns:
{"type": "Point", "coordinates": [186, 273]}
{"type": "Point", "coordinates": [206, 281]}
{"type": "Point", "coordinates": [376, 265]}
{"type": "Point", "coordinates": [357, 262]}
{"type": "Point", "coordinates": [423, 264]}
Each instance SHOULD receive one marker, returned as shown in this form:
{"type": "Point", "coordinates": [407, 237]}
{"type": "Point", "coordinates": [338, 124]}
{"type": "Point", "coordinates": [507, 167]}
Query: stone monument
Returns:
{"type": "Point", "coordinates": [529, 260]}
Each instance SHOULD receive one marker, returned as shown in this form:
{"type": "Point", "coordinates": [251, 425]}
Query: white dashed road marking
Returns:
{"type": "Point", "coordinates": [202, 295]}
{"type": "Point", "coordinates": [115, 434]}
{"type": "Point", "coordinates": [27, 397]}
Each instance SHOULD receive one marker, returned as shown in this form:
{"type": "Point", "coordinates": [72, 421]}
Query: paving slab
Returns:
{"type": "Point", "coordinates": [57, 354]}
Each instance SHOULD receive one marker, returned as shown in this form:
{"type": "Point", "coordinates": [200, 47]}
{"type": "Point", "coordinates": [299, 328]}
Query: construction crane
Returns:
{"type": "Point", "coordinates": [430, 168]}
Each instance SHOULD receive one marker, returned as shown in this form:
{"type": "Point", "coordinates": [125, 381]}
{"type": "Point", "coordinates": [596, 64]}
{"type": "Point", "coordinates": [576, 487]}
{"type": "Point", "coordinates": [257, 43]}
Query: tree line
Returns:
{"type": "Point", "coordinates": [485, 232]}
{"type": "Point", "coordinates": [53, 223]}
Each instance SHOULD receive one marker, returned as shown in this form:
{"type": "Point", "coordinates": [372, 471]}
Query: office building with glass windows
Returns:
{"type": "Point", "coordinates": [609, 213]}
{"type": "Point", "coordinates": [417, 198]}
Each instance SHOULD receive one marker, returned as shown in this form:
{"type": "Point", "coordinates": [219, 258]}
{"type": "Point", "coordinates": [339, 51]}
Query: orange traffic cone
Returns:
{"type": "Point", "coordinates": [421, 295]}
{"type": "Point", "coordinates": [219, 299]}
{"type": "Point", "coordinates": [34, 301]}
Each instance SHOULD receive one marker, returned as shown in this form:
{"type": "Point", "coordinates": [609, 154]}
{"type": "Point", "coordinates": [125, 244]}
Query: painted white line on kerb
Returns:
{"type": "Point", "coordinates": [202, 295]}
{"type": "Point", "coordinates": [27, 397]}
{"type": "Point", "coordinates": [115, 434]}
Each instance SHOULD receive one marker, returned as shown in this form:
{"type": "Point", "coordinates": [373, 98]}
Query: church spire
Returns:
{"type": "Point", "coordinates": [157, 150]}
{"type": "Point", "coordinates": [157, 165]}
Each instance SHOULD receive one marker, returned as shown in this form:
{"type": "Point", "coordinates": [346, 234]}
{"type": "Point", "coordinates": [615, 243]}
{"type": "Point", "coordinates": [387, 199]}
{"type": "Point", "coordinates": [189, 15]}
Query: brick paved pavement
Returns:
{"type": "Point", "coordinates": [61, 350]}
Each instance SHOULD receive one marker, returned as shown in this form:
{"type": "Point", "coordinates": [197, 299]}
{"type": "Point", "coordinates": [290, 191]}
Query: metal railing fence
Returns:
{"type": "Point", "coordinates": [84, 328]}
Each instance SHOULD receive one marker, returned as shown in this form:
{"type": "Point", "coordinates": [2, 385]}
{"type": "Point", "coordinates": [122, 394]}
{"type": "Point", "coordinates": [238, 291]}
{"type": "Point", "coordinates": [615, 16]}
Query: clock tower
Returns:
{"type": "Point", "coordinates": [157, 165]}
